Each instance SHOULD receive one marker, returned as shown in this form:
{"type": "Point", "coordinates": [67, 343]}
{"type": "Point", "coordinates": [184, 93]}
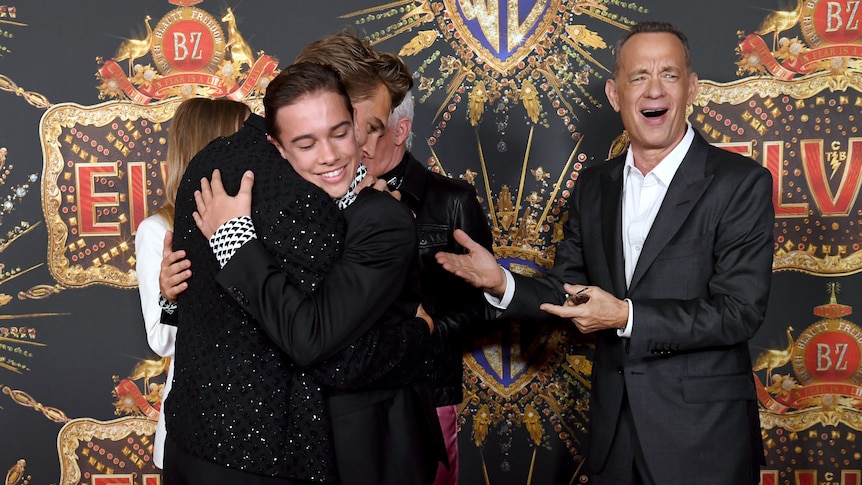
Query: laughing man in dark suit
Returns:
{"type": "Point", "coordinates": [669, 251]}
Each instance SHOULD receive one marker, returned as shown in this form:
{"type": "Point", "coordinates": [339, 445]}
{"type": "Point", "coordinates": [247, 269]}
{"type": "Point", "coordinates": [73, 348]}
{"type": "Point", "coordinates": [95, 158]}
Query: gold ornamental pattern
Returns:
{"type": "Point", "coordinates": [805, 131]}
{"type": "Point", "coordinates": [91, 450]}
{"type": "Point", "coordinates": [102, 176]}
{"type": "Point", "coordinates": [810, 398]}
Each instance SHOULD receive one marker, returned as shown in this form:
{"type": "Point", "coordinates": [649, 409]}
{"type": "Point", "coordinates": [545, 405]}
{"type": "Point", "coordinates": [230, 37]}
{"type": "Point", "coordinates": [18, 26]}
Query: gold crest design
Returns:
{"type": "Point", "coordinates": [191, 56]}
{"type": "Point", "coordinates": [817, 405]}
{"type": "Point", "coordinates": [825, 386]}
{"type": "Point", "coordinates": [831, 41]}
{"type": "Point", "coordinates": [534, 53]}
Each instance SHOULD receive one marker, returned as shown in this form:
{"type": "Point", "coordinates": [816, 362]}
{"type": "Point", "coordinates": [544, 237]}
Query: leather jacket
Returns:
{"type": "Point", "coordinates": [441, 205]}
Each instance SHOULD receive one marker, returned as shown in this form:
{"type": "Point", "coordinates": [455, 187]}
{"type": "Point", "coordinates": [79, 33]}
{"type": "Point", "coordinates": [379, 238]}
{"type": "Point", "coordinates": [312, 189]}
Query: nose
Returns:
{"type": "Point", "coordinates": [367, 145]}
{"type": "Point", "coordinates": [365, 140]}
{"type": "Point", "coordinates": [328, 153]}
{"type": "Point", "coordinates": [655, 88]}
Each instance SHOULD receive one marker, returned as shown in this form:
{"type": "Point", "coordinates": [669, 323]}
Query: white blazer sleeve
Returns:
{"type": "Point", "coordinates": [148, 250]}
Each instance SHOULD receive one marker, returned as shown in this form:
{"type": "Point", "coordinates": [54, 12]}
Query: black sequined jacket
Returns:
{"type": "Point", "coordinates": [441, 205]}
{"type": "Point", "coordinates": [237, 399]}
{"type": "Point", "coordinates": [396, 433]}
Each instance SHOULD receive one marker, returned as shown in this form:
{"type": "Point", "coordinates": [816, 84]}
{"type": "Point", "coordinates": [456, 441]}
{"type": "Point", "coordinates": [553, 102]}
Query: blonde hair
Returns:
{"type": "Point", "coordinates": [196, 122]}
{"type": "Point", "coordinates": [361, 68]}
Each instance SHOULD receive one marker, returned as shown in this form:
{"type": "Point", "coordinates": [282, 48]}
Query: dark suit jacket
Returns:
{"type": "Point", "coordinates": [699, 293]}
{"type": "Point", "coordinates": [385, 428]}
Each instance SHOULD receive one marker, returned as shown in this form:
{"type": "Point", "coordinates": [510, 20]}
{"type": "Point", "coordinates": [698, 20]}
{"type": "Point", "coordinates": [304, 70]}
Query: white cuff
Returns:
{"type": "Point", "coordinates": [627, 332]}
{"type": "Point", "coordinates": [503, 302]}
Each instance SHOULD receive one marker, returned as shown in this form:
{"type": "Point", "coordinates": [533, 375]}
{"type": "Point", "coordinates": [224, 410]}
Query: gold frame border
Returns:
{"type": "Point", "coordinates": [53, 121]}
{"type": "Point", "coordinates": [742, 90]}
{"type": "Point", "coordinates": [69, 114]}
{"type": "Point", "coordinates": [801, 420]}
{"type": "Point", "coordinates": [83, 429]}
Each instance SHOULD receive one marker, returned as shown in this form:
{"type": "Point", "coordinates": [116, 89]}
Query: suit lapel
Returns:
{"type": "Point", "coordinates": [611, 214]}
{"type": "Point", "coordinates": [687, 187]}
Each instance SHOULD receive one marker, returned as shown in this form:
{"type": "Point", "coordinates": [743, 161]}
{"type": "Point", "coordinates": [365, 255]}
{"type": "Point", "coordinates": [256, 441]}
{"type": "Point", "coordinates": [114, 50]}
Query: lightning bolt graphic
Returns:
{"type": "Point", "coordinates": [835, 164]}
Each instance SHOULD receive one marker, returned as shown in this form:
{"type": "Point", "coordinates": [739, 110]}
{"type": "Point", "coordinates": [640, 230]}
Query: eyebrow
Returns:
{"type": "Point", "coordinates": [666, 68]}
{"type": "Point", "coordinates": [309, 136]}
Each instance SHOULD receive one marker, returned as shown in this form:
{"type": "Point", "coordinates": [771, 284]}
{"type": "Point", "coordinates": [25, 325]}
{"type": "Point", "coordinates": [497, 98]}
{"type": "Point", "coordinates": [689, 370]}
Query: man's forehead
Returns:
{"type": "Point", "coordinates": [648, 49]}
{"type": "Point", "coordinates": [653, 40]}
{"type": "Point", "coordinates": [378, 100]}
{"type": "Point", "coordinates": [309, 107]}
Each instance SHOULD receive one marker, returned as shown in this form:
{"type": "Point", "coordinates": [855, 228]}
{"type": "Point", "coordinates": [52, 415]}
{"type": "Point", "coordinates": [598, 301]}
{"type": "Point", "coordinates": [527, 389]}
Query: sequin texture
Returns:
{"type": "Point", "coordinates": [237, 399]}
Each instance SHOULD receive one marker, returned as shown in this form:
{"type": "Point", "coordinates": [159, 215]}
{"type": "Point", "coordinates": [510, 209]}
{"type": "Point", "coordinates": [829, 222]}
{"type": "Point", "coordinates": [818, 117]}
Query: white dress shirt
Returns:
{"type": "Point", "coordinates": [643, 195]}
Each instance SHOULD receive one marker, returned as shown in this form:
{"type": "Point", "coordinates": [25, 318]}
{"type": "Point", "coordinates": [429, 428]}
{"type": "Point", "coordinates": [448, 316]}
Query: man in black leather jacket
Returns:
{"type": "Point", "coordinates": [440, 205]}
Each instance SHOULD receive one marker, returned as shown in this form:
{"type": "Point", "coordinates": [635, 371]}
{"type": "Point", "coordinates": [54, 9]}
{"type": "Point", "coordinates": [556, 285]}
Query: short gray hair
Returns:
{"type": "Point", "coordinates": [652, 27]}
{"type": "Point", "coordinates": [403, 110]}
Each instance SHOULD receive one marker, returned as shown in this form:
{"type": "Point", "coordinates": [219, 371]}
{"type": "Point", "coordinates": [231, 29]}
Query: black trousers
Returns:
{"type": "Point", "coordinates": [385, 437]}
{"type": "Point", "coordinates": [626, 464]}
{"type": "Point", "coordinates": [182, 468]}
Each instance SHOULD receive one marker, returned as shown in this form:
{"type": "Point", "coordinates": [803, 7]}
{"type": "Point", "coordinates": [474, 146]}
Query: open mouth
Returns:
{"type": "Point", "coordinates": [654, 113]}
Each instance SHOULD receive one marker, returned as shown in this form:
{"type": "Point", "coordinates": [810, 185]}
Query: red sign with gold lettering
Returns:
{"type": "Point", "coordinates": [103, 176]}
{"type": "Point", "coordinates": [807, 134]}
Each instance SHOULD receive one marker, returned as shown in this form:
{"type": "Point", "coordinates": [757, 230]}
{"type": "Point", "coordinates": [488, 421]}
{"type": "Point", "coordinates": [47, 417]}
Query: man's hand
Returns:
{"type": "Point", "coordinates": [478, 267]}
{"type": "Point", "coordinates": [215, 207]}
{"type": "Point", "coordinates": [600, 311]}
{"type": "Point", "coordinates": [174, 270]}
{"type": "Point", "coordinates": [378, 185]}
{"type": "Point", "coordinates": [421, 313]}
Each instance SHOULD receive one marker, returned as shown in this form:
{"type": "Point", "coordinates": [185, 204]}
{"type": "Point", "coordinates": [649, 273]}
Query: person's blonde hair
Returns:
{"type": "Point", "coordinates": [361, 68]}
{"type": "Point", "coordinates": [196, 122]}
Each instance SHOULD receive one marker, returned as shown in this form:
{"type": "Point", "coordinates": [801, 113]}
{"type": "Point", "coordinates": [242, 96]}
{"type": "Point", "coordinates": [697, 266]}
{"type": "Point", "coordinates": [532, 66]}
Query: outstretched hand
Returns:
{"type": "Point", "coordinates": [478, 267]}
{"type": "Point", "coordinates": [215, 206]}
{"type": "Point", "coordinates": [174, 270]}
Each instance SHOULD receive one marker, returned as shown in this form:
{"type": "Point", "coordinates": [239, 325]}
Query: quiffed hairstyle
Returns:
{"type": "Point", "coordinates": [297, 81]}
{"type": "Point", "coordinates": [652, 27]}
{"type": "Point", "coordinates": [360, 67]}
{"type": "Point", "coordinates": [196, 122]}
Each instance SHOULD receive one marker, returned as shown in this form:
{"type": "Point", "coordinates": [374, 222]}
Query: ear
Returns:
{"type": "Point", "coordinates": [402, 130]}
{"type": "Point", "coordinates": [611, 93]}
{"type": "Point", "coordinates": [277, 145]}
{"type": "Point", "coordinates": [693, 86]}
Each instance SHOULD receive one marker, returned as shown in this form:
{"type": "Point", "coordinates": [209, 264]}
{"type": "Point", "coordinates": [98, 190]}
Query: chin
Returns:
{"type": "Point", "coordinates": [337, 193]}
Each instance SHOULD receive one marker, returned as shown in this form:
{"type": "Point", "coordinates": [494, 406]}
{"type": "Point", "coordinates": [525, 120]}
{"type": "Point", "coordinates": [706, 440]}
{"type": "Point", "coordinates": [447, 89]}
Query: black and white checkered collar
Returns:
{"type": "Point", "coordinates": [344, 201]}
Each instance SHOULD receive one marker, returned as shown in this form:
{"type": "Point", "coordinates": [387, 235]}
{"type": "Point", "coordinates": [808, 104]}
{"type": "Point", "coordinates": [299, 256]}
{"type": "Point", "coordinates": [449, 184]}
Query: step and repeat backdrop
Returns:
{"type": "Point", "coordinates": [509, 97]}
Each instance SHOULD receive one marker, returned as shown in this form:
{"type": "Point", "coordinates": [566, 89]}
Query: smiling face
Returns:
{"type": "Point", "coordinates": [316, 137]}
{"type": "Point", "coordinates": [652, 90]}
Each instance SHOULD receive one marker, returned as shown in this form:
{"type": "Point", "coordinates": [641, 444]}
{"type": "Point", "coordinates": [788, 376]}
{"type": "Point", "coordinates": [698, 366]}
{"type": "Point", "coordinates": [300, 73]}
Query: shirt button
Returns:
{"type": "Point", "coordinates": [637, 247]}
